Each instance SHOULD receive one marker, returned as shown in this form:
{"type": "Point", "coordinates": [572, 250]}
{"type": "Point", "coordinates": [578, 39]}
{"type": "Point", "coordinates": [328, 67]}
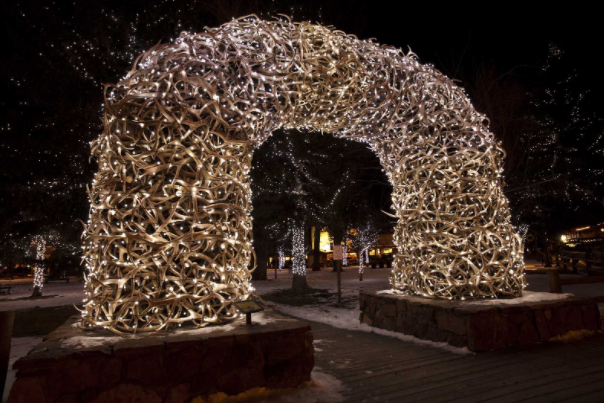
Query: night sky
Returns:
{"type": "Point", "coordinates": [56, 55]}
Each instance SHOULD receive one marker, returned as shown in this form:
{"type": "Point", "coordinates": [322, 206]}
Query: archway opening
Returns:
{"type": "Point", "coordinates": [324, 184]}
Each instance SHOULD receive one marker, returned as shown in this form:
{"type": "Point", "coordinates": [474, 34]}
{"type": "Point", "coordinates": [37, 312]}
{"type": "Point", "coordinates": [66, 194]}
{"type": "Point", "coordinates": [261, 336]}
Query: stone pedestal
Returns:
{"type": "Point", "coordinates": [481, 325]}
{"type": "Point", "coordinates": [72, 365]}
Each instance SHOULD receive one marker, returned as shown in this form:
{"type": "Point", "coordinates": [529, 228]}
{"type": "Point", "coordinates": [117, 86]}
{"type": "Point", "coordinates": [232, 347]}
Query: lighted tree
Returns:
{"type": "Point", "coordinates": [39, 244]}
{"type": "Point", "coordinates": [298, 258]}
{"type": "Point", "coordinates": [52, 98]}
{"type": "Point", "coordinates": [567, 141]}
{"type": "Point", "coordinates": [364, 238]}
{"type": "Point", "coordinates": [551, 129]}
{"type": "Point", "coordinates": [281, 257]}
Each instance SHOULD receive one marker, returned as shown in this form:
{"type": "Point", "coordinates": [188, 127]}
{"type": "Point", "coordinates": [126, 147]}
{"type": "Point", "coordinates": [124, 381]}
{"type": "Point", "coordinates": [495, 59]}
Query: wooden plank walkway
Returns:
{"type": "Point", "coordinates": [375, 368]}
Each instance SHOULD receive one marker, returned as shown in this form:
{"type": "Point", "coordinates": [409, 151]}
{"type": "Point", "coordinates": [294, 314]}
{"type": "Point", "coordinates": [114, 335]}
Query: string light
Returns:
{"type": "Point", "coordinates": [298, 255]}
{"type": "Point", "coordinates": [169, 235]}
{"type": "Point", "coordinates": [281, 258]}
{"type": "Point", "coordinates": [364, 238]}
{"type": "Point", "coordinates": [40, 243]}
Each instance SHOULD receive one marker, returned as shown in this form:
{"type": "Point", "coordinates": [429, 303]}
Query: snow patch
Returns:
{"type": "Point", "coordinates": [96, 340]}
{"type": "Point", "coordinates": [89, 341]}
{"type": "Point", "coordinates": [527, 296]}
{"type": "Point", "coordinates": [349, 320]}
{"type": "Point", "coordinates": [54, 294]}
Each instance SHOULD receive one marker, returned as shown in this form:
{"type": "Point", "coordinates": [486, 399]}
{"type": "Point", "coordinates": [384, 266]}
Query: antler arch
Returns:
{"type": "Point", "coordinates": [169, 236]}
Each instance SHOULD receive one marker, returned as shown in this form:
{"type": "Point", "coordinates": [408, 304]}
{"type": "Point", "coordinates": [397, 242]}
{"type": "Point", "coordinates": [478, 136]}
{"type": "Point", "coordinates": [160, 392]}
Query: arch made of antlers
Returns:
{"type": "Point", "coordinates": [169, 238]}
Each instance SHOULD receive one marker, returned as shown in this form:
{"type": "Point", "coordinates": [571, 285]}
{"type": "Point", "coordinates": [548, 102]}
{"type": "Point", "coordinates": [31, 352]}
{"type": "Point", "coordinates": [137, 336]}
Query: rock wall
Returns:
{"type": "Point", "coordinates": [479, 327]}
{"type": "Point", "coordinates": [172, 369]}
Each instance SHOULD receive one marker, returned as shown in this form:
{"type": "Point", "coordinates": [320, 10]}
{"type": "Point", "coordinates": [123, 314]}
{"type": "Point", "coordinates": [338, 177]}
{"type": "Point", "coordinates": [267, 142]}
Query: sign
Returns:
{"type": "Point", "coordinates": [337, 252]}
{"type": "Point", "coordinates": [249, 306]}
{"type": "Point", "coordinates": [259, 301]}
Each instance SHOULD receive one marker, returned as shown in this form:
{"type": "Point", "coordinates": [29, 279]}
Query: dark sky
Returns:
{"type": "Point", "coordinates": [514, 37]}
{"type": "Point", "coordinates": [57, 54]}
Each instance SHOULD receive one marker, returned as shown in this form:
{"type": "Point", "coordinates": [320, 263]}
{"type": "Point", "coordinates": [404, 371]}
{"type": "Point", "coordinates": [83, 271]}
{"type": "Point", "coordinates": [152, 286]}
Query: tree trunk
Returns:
{"type": "Point", "coordinates": [316, 264]}
{"type": "Point", "coordinates": [37, 292]}
{"type": "Point", "coordinates": [38, 282]}
{"type": "Point", "coordinates": [299, 282]}
{"type": "Point", "coordinates": [337, 266]}
{"type": "Point", "coordinates": [261, 263]}
{"type": "Point", "coordinates": [548, 257]}
{"type": "Point", "coordinates": [9, 273]}
{"type": "Point", "coordinates": [338, 235]}
{"type": "Point", "coordinates": [298, 260]}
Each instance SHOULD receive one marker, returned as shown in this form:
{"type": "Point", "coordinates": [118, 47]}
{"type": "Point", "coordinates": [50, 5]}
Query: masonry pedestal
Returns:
{"type": "Point", "coordinates": [481, 325]}
{"type": "Point", "coordinates": [72, 365]}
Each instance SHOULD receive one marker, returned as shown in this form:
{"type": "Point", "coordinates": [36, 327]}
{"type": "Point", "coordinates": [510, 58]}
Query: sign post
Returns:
{"type": "Point", "coordinates": [249, 307]}
{"type": "Point", "coordinates": [337, 261]}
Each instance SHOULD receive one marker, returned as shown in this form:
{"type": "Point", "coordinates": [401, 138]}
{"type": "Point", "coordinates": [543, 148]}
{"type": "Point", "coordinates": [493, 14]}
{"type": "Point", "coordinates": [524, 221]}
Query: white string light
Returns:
{"type": "Point", "coordinates": [39, 242]}
{"type": "Point", "coordinates": [281, 258]}
{"type": "Point", "coordinates": [298, 253]}
{"type": "Point", "coordinates": [169, 236]}
{"type": "Point", "coordinates": [364, 238]}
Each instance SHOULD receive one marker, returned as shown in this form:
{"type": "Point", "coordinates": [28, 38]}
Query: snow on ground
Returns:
{"type": "Point", "coordinates": [374, 280]}
{"type": "Point", "coordinates": [349, 319]}
{"type": "Point", "coordinates": [323, 388]}
{"type": "Point", "coordinates": [527, 296]}
{"type": "Point", "coordinates": [377, 280]}
{"type": "Point", "coordinates": [20, 346]}
{"type": "Point", "coordinates": [54, 294]}
{"type": "Point", "coordinates": [101, 338]}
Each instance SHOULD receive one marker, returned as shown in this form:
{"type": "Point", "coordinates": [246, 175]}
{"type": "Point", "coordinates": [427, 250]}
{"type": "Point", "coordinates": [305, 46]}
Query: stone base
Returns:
{"type": "Point", "coordinates": [481, 325]}
{"type": "Point", "coordinates": [72, 365]}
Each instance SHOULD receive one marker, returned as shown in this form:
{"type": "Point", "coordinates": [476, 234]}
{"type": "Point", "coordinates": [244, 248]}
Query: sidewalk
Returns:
{"type": "Point", "coordinates": [375, 368]}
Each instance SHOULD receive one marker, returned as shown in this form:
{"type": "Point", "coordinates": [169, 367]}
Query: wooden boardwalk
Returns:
{"type": "Point", "coordinates": [375, 368]}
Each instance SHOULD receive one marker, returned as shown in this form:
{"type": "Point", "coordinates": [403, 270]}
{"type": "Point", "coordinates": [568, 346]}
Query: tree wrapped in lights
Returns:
{"type": "Point", "coordinates": [39, 242]}
{"type": "Point", "coordinates": [298, 258]}
{"type": "Point", "coordinates": [365, 238]}
{"type": "Point", "coordinates": [552, 134]}
{"type": "Point", "coordinates": [281, 261]}
{"type": "Point", "coordinates": [169, 235]}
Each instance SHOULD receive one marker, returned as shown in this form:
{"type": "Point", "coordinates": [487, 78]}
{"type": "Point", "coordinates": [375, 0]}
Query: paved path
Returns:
{"type": "Point", "coordinates": [377, 368]}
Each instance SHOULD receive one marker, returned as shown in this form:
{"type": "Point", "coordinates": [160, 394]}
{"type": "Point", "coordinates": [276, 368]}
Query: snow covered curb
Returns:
{"type": "Point", "coordinates": [527, 297]}
{"type": "Point", "coordinates": [349, 319]}
{"type": "Point", "coordinates": [91, 340]}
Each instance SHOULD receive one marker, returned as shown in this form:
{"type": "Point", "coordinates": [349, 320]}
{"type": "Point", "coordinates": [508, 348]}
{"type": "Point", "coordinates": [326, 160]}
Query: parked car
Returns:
{"type": "Point", "coordinates": [385, 260]}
